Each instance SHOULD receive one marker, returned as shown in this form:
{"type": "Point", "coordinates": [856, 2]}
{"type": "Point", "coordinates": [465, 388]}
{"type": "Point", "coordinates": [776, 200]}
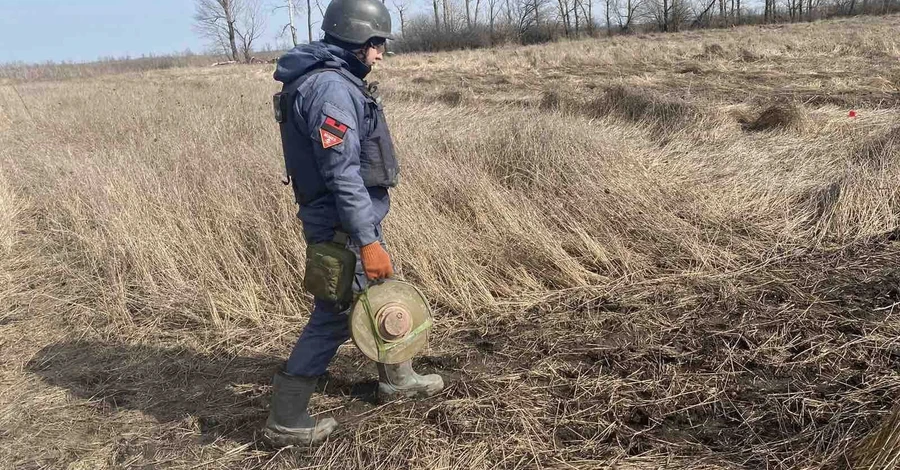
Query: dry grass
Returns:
{"type": "Point", "coordinates": [785, 116]}
{"type": "Point", "coordinates": [21, 72]}
{"type": "Point", "coordinates": [881, 450]}
{"type": "Point", "coordinates": [625, 277]}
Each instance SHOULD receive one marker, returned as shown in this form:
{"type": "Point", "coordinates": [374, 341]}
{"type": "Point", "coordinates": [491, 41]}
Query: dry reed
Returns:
{"type": "Point", "coordinates": [623, 276]}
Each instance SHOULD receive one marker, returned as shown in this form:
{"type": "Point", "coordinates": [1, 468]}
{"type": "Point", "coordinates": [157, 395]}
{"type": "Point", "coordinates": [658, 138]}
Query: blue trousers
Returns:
{"type": "Point", "coordinates": [328, 328]}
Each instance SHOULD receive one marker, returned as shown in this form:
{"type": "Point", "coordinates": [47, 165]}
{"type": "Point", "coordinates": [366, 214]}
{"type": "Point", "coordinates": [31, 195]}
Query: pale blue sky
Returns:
{"type": "Point", "coordinates": [85, 30]}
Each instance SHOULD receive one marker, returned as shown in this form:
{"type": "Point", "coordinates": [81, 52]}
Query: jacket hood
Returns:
{"type": "Point", "coordinates": [307, 57]}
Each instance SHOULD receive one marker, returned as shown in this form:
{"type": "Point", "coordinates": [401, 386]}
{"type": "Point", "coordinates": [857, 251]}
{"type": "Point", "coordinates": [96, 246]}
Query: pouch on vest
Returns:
{"type": "Point", "coordinates": [330, 270]}
{"type": "Point", "coordinates": [280, 106]}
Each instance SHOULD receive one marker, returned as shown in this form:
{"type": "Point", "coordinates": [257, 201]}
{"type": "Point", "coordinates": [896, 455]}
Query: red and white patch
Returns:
{"type": "Point", "coordinates": [328, 139]}
{"type": "Point", "coordinates": [332, 132]}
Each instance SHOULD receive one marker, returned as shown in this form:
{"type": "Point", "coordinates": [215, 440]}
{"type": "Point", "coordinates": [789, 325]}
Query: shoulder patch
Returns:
{"type": "Point", "coordinates": [332, 132]}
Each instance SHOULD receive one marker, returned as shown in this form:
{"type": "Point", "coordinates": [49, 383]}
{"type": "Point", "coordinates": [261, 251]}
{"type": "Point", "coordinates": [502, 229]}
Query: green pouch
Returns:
{"type": "Point", "coordinates": [330, 269]}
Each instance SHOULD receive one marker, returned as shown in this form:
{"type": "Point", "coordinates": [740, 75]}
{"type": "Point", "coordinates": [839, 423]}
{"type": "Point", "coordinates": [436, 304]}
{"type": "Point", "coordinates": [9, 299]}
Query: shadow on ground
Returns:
{"type": "Point", "coordinates": [227, 396]}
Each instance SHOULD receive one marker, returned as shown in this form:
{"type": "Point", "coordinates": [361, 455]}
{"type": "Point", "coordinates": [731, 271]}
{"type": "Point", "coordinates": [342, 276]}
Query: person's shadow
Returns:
{"type": "Point", "coordinates": [228, 397]}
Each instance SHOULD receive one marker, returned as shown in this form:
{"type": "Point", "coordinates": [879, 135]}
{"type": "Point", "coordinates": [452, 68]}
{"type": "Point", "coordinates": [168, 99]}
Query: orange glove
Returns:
{"type": "Point", "coordinates": [376, 262]}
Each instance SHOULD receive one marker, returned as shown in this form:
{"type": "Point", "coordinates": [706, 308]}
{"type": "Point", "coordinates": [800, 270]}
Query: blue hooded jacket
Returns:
{"type": "Point", "coordinates": [328, 177]}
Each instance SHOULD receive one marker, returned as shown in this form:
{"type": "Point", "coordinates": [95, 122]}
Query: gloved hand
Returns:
{"type": "Point", "coordinates": [376, 262]}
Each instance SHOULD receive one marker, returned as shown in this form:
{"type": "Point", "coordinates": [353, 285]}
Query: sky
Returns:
{"type": "Point", "coordinates": [37, 31]}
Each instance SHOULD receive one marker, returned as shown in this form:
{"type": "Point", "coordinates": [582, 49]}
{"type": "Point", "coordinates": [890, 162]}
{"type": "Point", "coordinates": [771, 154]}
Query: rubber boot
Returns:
{"type": "Point", "coordinates": [289, 421]}
{"type": "Point", "coordinates": [400, 380]}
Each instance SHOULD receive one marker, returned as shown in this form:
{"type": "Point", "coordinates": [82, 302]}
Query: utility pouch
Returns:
{"type": "Point", "coordinates": [330, 270]}
{"type": "Point", "coordinates": [279, 106]}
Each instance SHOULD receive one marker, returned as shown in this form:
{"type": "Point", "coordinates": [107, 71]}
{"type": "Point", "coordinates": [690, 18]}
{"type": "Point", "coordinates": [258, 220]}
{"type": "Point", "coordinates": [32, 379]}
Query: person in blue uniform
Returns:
{"type": "Point", "coordinates": [340, 162]}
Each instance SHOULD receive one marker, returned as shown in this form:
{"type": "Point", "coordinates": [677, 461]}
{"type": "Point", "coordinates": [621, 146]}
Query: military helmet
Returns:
{"type": "Point", "coordinates": [357, 21]}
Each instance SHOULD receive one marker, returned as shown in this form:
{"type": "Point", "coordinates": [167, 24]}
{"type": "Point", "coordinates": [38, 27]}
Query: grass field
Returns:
{"type": "Point", "coordinates": [660, 251]}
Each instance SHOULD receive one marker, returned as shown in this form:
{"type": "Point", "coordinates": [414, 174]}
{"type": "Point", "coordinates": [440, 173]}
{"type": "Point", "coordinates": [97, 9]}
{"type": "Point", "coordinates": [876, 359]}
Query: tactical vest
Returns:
{"type": "Point", "coordinates": [378, 162]}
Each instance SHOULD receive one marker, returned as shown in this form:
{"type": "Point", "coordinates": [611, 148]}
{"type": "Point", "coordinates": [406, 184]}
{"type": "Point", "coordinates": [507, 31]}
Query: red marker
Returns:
{"type": "Point", "coordinates": [852, 113]}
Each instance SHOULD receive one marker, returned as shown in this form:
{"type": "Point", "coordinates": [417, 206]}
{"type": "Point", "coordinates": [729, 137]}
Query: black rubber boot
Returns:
{"type": "Point", "coordinates": [289, 421]}
{"type": "Point", "coordinates": [400, 380]}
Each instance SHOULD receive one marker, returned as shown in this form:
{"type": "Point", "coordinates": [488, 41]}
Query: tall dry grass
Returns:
{"type": "Point", "coordinates": [17, 72]}
{"type": "Point", "coordinates": [626, 271]}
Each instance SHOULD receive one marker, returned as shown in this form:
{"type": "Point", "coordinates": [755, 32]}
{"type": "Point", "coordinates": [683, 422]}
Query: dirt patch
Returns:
{"type": "Point", "coordinates": [882, 151]}
{"type": "Point", "coordinates": [550, 101]}
{"type": "Point", "coordinates": [749, 56]}
{"type": "Point", "coordinates": [712, 51]}
{"type": "Point", "coordinates": [643, 106]}
{"type": "Point", "coordinates": [691, 68]}
{"type": "Point", "coordinates": [782, 116]}
{"type": "Point", "coordinates": [451, 98]}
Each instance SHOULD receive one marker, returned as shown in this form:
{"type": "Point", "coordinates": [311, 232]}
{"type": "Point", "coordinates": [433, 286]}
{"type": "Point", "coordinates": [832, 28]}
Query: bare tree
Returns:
{"type": "Point", "coordinates": [575, 8]}
{"type": "Point", "coordinates": [770, 11]}
{"type": "Point", "coordinates": [447, 25]}
{"type": "Point", "coordinates": [437, 18]}
{"type": "Point", "coordinates": [587, 15]}
{"type": "Point", "coordinates": [215, 20]}
{"type": "Point", "coordinates": [402, 7]}
{"type": "Point", "coordinates": [493, 12]}
{"type": "Point", "coordinates": [475, 18]}
{"type": "Point", "coordinates": [703, 18]}
{"type": "Point", "coordinates": [610, 4]}
{"type": "Point", "coordinates": [251, 26]}
{"type": "Point", "coordinates": [292, 7]}
{"type": "Point", "coordinates": [563, 11]}
{"type": "Point", "coordinates": [521, 16]}
{"type": "Point", "coordinates": [659, 11]}
{"type": "Point", "coordinates": [322, 9]}
{"type": "Point", "coordinates": [232, 26]}
{"type": "Point", "coordinates": [627, 18]}
{"type": "Point", "coordinates": [309, 17]}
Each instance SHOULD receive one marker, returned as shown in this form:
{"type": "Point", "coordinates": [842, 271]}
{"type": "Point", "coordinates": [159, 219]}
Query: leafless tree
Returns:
{"type": "Point", "coordinates": [628, 17]}
{"type": "Point", "coordinates": [251, 26]}
{"type": "Point", "coordinates": [522, 15]}
{"type": "Point", "coordinates": [292, 6]}
{"type": "Point", "coordinates": [437, 18]}
{"type": "Point", "coordinates": [610, 5]}
{"type": "Point", "coordinates": [587, 14]}
{"type": "Point", "coordinates": [215, 20]}
{"type": "Point", "coordinates": [576, 10]}
{"type": "Point", "coordinates": [770, 11]}
{"type": "Point", "coordinates": [232, 26]}
{"type": "Point", "coordinates": [563, 12]}
{"type": "Point", "coordinates": [309, 17]}
{"type": "Point", "coordinates": [477, 7]}
{"type": "Point", "coordinates": [493, 11]}
{"type": "Point", "coordinates": [447, 24]}
{"type": "Point", "coordinates": [666, 13]}
{"type": "Point", "coordinates": [402, 7]}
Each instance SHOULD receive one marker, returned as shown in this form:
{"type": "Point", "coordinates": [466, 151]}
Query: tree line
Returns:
{"type": "Point", "coordinates": [452, 24]}
{"type": "Point", "coordinates": [234, 27]}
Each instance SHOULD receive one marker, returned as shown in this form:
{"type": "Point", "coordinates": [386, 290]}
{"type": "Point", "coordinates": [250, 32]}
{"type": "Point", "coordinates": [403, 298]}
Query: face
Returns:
{"type": "Point", "coordinates": [372, 53]}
